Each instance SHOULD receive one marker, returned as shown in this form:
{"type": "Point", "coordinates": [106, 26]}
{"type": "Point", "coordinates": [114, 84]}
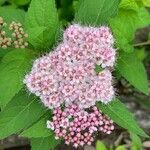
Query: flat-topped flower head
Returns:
{"type": "Point", "coordinates": [67, 75]}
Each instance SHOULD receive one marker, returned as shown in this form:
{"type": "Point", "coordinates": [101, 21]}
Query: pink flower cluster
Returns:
{"type": "Point", "coordinates": [77, 126]}
{"type": "Point", "coordinates": [67, 75]}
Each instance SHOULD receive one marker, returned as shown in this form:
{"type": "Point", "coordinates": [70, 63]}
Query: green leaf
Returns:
{"type": "Point", "coordinates": [128, 5]}
{"type": "Point", "coordinates": [20, 2]}
{"type": "Point", "coordinates": [19, 114]}
{"type": "Point", "coordinates": [143, 18]}
{"type": "Point", "coordinates": [142, 3]}
{"type": "Point", "coordinates": [123, 27]}
{"type": "Point", "coordinates": [39, 126]}
{"type": "Point", "coordinates": [136, 142]}
{"type": "Point", "coordinates": [100, 146]}
{"type": "Point", "coordinates": [42, 23]}
{"type": "Point", "coordinates": [121, 116]}
{"type": "Point", "coordinates": [13, 68]}
{"type": "Point", "coordinates": [121, 147]}
{"type": "Point", "coordinates": [12, 14]}
{"type": "Point", "coordinates": [96, 12]}
{"type": "Point", "coordinates": [47, 143]}
{"type": "Point", "coordinates": [133, 70]}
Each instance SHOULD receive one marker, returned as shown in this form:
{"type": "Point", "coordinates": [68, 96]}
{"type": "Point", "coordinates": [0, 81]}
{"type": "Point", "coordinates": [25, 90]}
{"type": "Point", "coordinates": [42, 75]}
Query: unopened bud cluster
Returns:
{"type": "Point", "coordinates": [4, 41]}
{"type": "Point", "coordinates": [67, 76]}
{"type": "Point", "coordinates": [18, 35]}
{"type": "Point", "coordinates": [79, 127]}
{"type": "Point", "coordinates": [18, 38]}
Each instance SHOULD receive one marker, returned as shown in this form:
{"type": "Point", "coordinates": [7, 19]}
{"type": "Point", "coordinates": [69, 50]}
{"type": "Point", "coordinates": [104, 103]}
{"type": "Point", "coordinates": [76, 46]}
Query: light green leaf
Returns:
{"type": "Point", "coordinates": [38, 129]}
{"type": "Point", "coordinates": [132, 69]}
{"type": "Point", "coordinates": [121, 116]}
{"type": "Point", "coordinates": [142, 3]}
{"type": "Point", "coordinates": [42, 23]}
{"type": "Point", "coordinates": [121, 147]}
{"type": "Point", "coordinates": [144, 18]}
{"type": "Point", "coordinates": [128, 5]}
{"type": "Point", "coordinates": [47, 143]}
{"type": "Point", "coordinates": [123, 27]}
{"type": "Point", "coordinates": [19, 114]}
{"type": "Point", "coordinates": [96, 12]}
{"type": "Point", "coordinates": [100, 146]}
{"type": "Point", "coordinates": [13, 68]}
{"type": "Point", "coordinates": [136, 142]}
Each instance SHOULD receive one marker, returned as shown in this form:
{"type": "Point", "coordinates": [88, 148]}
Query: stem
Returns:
{"type": "Point", "coordinates": [142, 44]}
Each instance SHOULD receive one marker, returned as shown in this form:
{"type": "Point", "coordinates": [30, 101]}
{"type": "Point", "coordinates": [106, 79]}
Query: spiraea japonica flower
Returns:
{"type": "Point", "coordinates": [67, 75]}
{"type": "Point", "coordinates": [79, 127]}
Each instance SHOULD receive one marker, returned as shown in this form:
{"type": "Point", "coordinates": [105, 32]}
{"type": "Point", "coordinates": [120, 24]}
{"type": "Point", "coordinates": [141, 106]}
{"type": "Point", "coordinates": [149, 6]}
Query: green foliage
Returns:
{"type": "Point", "coordinates": [13, 68]}
{"type": "Point", "coordinates": [47, 143]}
{"type": "Point", "coordinates": [2, 2]}
{"type": "Point", "coordinates": [133, 70]}
{"type": "Point", "coordinates": [39, 126]}
{"type": "Point", "coordinates": [19, 114]}
{"type": "Point", "coordinates": [121, 147]}
{"type": "Point", "coordinates": [42, 23]}
{"type": "Point", "coordinates": [19, 2]}
{"type": "Point", "coordinates": [10, 14]}
{"type": "Point", "coordinates": [96, 12]}
{"type": "Point", "coordinates": [124, 25]}
{"type": "Point", "coordinates": [120, 115]}
{"type": "Point", "coordinates": [100, 146]}
{"type": "Point", "coordinates": [136, 142]}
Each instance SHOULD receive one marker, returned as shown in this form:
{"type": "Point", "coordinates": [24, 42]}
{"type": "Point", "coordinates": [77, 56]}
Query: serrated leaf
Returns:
{"type": "Point", "coordinates": [121, 116]}
{"type": "Point", "coordinates": [19, 114]}
{"type": "Point", "coordinates": [136, 142]}
{"type": "Point", "coordinates": [133, 70]}
{"type": "Point", "coordinates": [42, 16]}
{"type": "Point", "coordinates": [39, 129]}
{"type": "Point", "coordinates": [13, 68]}
{"type": "Point", "coordinates": [96, 12]}
{"type": "Point", "coordinates": [47, 143]}
{"type": "Point", "coordinates": [100, 146]}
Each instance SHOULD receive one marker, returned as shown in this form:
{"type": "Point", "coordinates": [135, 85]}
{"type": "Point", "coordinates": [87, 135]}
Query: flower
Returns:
{"type": "Point", "coordinates": [81, 126]}
{"type": "Point", "coordinates": [67, 75]}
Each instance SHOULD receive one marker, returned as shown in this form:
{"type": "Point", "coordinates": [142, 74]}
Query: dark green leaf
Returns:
{"type": "Point", "coordinates": [19, 114]}
{"type": "Point", "coordinates": [42, 23]}
{"type": "Point", "coordinates": [96, 12]}
{"type": "Point", "coordinates": [120, 115]}
{"type": "Point", "coordinates": [13, 68]}
{"type": "Point", "coordinates": [48, 143]}
{"type": "Point", "coordinates": [133, 70]}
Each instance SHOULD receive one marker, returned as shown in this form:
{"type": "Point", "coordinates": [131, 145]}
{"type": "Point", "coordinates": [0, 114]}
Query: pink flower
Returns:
{"type": "Point", "coordinates": [67, 75]}
{"type": "Point", "coordinates": [76, 129]}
